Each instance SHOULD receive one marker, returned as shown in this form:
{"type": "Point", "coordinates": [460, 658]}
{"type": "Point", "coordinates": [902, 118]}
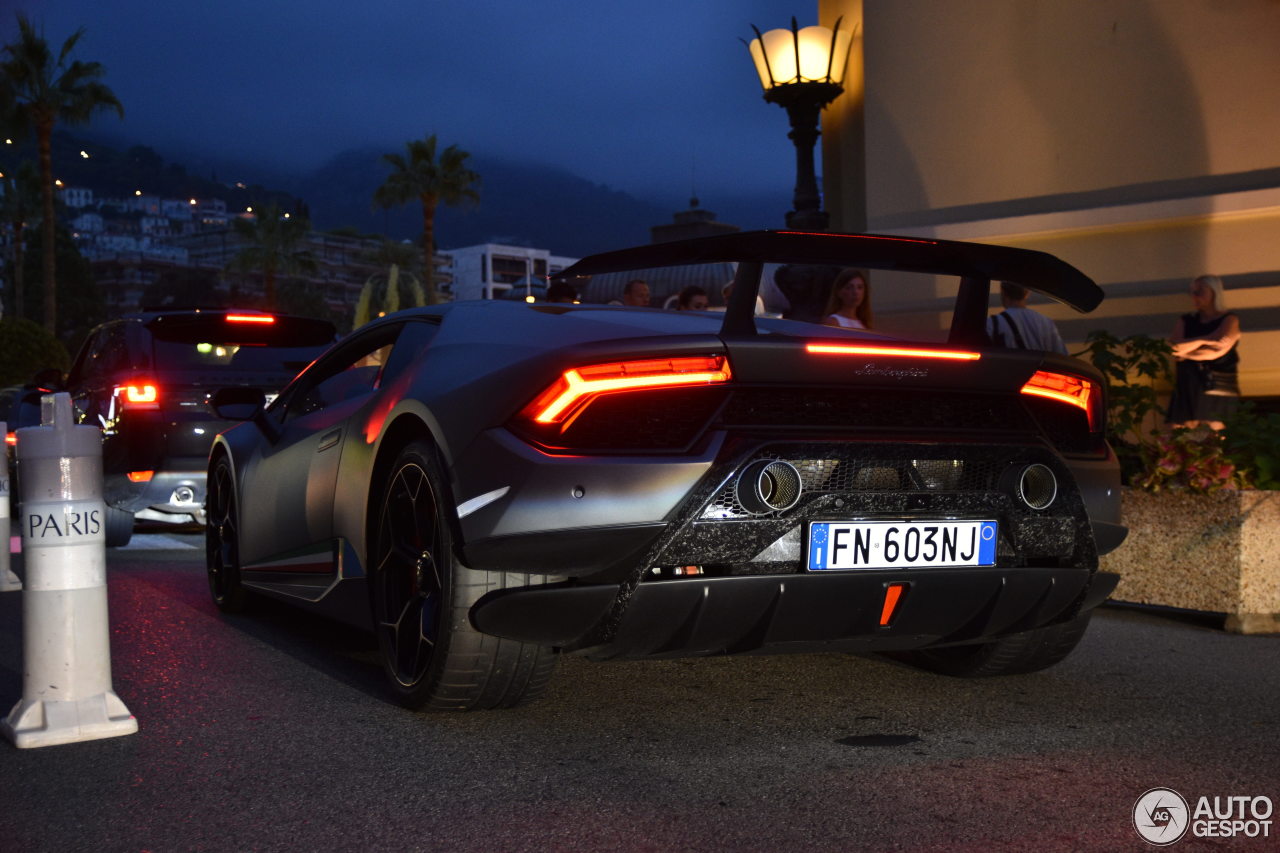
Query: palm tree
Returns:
{"type": "Point", "coordinates": [274, 247]}
{"type": "Point", "coordinates": [431, 182]}
{"type": "Point", "coordinates": [17, 208]}
{"type": "Point", "coordinates": [45, 90]}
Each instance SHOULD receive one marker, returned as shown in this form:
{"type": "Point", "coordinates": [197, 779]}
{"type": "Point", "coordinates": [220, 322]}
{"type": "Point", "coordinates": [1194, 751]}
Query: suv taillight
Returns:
{"type": "Point", "coordinates": [139, 395]}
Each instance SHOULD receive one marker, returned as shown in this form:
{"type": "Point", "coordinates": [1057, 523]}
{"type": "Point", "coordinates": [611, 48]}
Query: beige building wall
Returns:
{"type": "Point", "coordinates": [1137, 139]}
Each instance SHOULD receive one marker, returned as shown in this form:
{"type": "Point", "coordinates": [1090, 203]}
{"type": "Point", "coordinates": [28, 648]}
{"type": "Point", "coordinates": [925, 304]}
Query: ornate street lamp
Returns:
{"type": "Point", "coordinates": [802, 70]}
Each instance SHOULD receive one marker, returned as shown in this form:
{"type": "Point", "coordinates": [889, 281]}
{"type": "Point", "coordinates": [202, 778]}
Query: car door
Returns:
{"type": "Point", "coordinates": [287, 494]}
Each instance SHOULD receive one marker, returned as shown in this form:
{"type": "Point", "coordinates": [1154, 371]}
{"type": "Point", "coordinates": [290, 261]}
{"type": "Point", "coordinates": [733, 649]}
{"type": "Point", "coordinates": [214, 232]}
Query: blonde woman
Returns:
{"type": "Point", "coordinates": [1206, 384]}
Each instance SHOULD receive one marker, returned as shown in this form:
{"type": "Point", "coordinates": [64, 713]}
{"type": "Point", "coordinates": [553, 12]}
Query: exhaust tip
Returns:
{"type": "Point", "coordinates": [768, 485]}
{"type": "Point", "coordinates": [1037, 486]}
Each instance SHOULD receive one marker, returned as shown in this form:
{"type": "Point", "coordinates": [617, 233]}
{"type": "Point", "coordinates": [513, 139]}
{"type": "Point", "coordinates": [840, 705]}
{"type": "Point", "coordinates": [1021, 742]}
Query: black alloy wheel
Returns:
{"type": "Point", "coordinates": [408, 584]}
{"type": "Point", "coordinates": [421, 596]}
{"type": "Point", "coordinates": [222, 540]}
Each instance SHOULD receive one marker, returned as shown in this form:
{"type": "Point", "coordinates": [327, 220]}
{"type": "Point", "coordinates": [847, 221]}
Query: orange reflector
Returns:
{"type": "Point", "coordinates": [140, 476]}
{"type": "Point", "coordinates": [576, 385]}
{"type": "Point", "coordinates": [892, 595]}
{"type": "Point", "coordinates": [250, 318]}
{"type": "Point", "coordinates": [1064, 388]}
{"type": "Point", "coordinates": [877, 351]}
{"type": "Point", "coordinates": [11, 438]}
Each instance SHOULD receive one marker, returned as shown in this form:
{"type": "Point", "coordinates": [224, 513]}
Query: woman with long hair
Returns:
{"type": "Point", "coordinates": [849, 306]}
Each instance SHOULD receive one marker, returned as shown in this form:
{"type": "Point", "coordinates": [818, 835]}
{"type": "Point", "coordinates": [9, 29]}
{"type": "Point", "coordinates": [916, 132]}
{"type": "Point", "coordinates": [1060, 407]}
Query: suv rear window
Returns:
{"type": "Point", "coordinates": [197, 342]}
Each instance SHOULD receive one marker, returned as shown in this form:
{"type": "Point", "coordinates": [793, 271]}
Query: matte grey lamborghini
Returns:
{"type": "Point", "coordinates": [488, 485]}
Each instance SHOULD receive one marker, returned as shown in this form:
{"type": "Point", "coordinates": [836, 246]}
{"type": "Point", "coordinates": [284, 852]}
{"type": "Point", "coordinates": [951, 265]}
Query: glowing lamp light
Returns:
{"type": "Point", "coordinates": [811, 55]}
{"type": "Point", "coordinates": [263, 319]}
{"type": "Point", "coordinates": [802, 70]}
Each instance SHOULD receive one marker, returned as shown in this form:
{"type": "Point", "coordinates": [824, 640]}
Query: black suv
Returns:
{"type": "Point", "coordinates": [147, 380]}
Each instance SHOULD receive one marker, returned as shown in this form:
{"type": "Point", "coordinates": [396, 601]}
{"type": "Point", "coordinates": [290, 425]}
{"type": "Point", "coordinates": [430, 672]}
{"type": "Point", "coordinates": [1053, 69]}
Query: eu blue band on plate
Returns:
{"type": "Point", "coordinates": [818, 546]}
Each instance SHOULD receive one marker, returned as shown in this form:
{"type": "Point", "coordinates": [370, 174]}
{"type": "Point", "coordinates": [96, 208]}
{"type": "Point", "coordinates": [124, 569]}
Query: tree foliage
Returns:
{"type": "Point", "coordinates": [43, 90]}
{"type": "Point", "coordinates": [275, 246]}
{"type": "Point", "coordinates": [83, 305]}
{"type": "Point", "coordinates": [26, 348]}
{"type": "Point", "coordinates": [1136, 368]}
{"type": "Point", "coordinates": [419, 175]}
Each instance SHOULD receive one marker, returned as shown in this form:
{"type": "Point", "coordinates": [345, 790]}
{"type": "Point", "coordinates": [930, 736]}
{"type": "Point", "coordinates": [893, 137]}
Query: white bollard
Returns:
{"type": "Point", "coordinates": [66, 682]}
{"type": "Point", "coordinates": [9, 582]}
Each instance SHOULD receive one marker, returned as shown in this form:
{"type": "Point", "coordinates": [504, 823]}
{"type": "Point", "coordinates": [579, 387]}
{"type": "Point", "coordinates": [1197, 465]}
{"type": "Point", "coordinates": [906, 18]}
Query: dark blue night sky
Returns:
{"type": "Point", "coordinates": [649, 97]}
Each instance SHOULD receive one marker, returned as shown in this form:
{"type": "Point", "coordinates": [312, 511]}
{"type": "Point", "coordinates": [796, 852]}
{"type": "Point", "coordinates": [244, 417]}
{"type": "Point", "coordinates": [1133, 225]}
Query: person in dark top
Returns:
{"type": "Point", "coordinates": [1206, 384]}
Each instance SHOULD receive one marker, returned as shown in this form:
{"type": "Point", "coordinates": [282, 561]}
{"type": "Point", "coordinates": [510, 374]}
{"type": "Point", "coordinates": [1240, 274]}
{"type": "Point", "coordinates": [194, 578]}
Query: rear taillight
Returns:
{"type": "Point", "coordinates": [565, 398]}
{"type": "Point", "coordinates": [1070, 390]}
{"type": "Point", "coordinates": [140, 395]}
{"type": "Point", "coordinates": [11, 439]}
{"type": "Point", "coordinates": [644, 404]}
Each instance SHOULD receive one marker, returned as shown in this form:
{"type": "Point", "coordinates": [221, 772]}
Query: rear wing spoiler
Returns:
{"type": "Point", "coordinates": [977, 265]}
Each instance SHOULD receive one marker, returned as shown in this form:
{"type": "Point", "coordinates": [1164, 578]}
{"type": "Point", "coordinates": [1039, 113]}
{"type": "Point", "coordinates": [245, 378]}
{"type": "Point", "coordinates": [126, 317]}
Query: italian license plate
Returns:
{"type": "Point", "coordinates": [843, 545]}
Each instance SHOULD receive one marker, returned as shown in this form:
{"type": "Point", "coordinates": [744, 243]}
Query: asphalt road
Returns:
{"type": "Point", "coordinates": [271, 731]}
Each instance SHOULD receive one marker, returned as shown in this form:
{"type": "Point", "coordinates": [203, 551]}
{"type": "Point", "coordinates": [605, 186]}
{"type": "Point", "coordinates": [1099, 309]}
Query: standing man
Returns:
{"type": "Point", "coordinates": [636, 293]}
{"type": "Point", "coordinates": [1020, 327]}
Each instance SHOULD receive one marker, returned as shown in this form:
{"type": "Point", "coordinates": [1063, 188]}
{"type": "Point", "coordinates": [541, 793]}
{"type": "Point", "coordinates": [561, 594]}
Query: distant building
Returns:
{"type": "Point", "coordinates": [687, 224]}
{"type": "Point", "coordinates": [76, 197]}
{"type": "Point", "coordinates": [488, 270]}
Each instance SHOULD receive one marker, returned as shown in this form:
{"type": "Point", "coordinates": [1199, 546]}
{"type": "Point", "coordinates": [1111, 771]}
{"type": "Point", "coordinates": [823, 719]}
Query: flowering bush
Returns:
{"type": "Point", "coordinates": [1252, 441]}
{"type": "Point", "coordinates": [1194, 460]}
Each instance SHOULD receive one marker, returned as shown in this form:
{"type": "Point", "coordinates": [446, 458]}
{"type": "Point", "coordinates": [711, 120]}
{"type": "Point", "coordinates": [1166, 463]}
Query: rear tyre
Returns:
{"type": "Point", "coordinates": [421, 595]}
{"type": "Point", "coordinates": [222, 540]}
{"type": "Point", "coordinates": [119, 527]}
{"type": "Point", "coordinates": [1018, 653]}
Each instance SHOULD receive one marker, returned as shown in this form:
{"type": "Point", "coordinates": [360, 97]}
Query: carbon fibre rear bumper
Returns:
{"type": "Point", "coordinates": [790, 613]}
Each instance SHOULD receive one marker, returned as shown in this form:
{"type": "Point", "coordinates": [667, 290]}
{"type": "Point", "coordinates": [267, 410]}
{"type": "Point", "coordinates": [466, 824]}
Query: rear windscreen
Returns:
{"type": "Point", "coordinates": [285, 345]}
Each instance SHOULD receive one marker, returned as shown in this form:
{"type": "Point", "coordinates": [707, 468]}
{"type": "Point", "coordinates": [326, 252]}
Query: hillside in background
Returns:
{"type": "Point", "coordinates": [520, 203]}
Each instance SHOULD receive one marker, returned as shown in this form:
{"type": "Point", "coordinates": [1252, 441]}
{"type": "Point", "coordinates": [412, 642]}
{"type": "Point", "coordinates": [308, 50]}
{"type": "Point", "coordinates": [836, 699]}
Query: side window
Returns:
{"type": "Point", "coordinates": [352, 372]}
{"type": "Point", "coordinates": [115, 350]}
{"type": "Point", "coordinates": [83, 366]}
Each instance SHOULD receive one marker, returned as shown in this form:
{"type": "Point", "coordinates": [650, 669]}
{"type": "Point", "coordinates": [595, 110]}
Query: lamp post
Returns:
{"type": "Point", "coordinates": [802, 70]}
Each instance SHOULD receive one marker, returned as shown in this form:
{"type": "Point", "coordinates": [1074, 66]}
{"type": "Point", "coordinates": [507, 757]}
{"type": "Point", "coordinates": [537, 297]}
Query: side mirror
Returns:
{"type": "Point", "coordinates": [239, 403]}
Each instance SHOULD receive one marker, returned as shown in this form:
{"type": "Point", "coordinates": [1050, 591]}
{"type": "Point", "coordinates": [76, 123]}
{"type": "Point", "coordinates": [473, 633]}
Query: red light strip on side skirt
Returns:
{"type": "Point", "coordinates": [909, 352]}
{"type": "Point", "coordinates": [1064, 388]}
